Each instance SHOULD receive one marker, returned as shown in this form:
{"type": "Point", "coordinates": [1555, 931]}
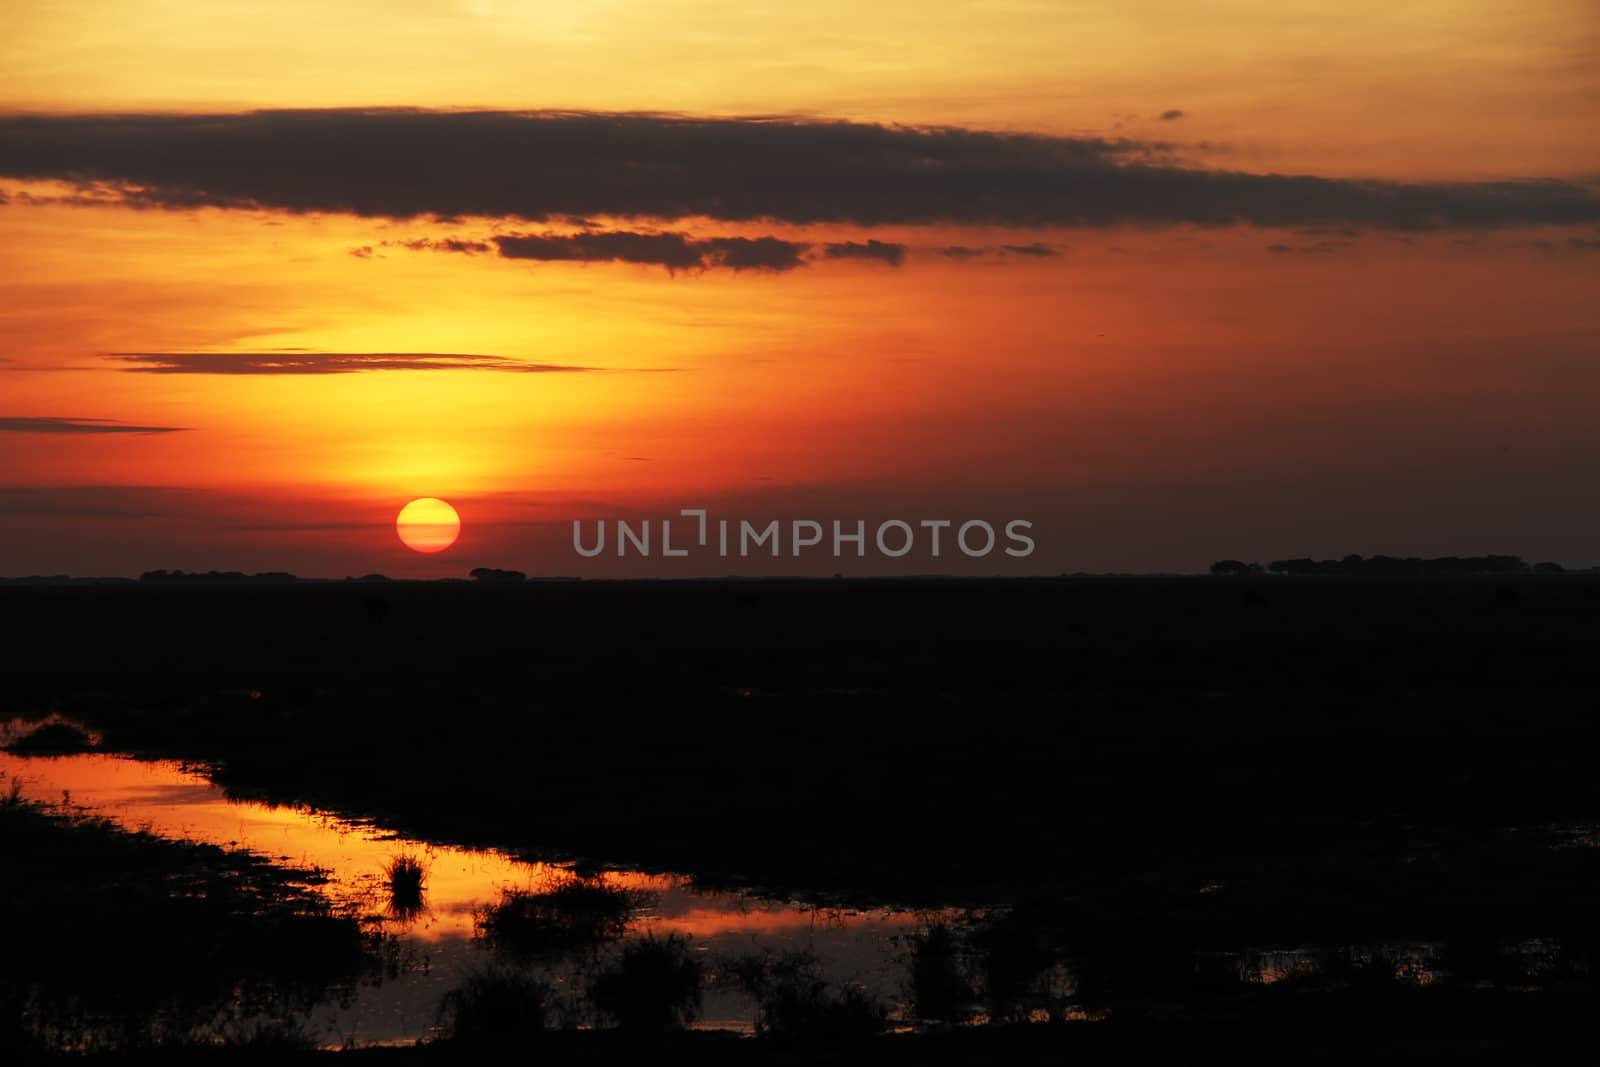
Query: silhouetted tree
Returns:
{"type": "Point", "coordinates": [1354, 564]}
{"type": "Point", "coordinates": [939, 987]}
{"type": "Point", "coordinates": [495, 574]}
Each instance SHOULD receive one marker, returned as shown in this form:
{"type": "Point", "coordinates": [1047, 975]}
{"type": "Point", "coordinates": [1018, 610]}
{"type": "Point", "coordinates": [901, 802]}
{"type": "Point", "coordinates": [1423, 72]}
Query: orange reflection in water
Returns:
{"type": "Point", "coordinates": [165, 799]}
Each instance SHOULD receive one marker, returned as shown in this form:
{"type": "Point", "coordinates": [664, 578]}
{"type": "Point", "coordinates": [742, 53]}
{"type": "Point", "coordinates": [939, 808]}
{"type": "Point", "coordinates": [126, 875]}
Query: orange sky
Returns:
{"type": "Point", "coordinates": [1333, 86]}
{"type": "Point", "coordinates": [1152, 393]}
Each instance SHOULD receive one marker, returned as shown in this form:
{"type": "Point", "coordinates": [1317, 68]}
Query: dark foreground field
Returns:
{"type": "Point", "coordinates": [1465, 1034]}
{"type": "Point", "coordinates": [1143, 784]}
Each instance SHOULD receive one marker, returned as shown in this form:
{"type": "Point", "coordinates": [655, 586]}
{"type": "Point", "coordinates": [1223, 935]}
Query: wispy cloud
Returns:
{"type": "Point", "coordinates": [302, 362]}
{"type": "Point", "coordinates": [674, 251]}
{"type": "Point", "coordinates": [547, 166]}
{"type": "Point", "coordinates": [447, 244]}
{"type": "Point", "coordinates": [882, 251]}
{"type": "Point", "coordinates": [671, 251]}
{"type": "Point", "coordinates": [1317, 248]}
{"type": "Point", "coordinates": [1036, 250]}
{"type": "Point", "coordinates": [105, 502]}
{"type": "Point", "coordinates": [52, 424]}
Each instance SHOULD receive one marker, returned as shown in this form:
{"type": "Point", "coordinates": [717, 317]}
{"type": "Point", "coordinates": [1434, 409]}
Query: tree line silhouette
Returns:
{"type": "Point", "coordinates": [1389, 565]}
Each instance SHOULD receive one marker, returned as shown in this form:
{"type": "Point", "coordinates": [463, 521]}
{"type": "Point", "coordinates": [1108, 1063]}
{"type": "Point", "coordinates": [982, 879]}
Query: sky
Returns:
{"type": "Point", "coordinates": [1169, 282]}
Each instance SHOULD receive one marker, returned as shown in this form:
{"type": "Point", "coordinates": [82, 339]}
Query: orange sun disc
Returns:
{"type": "Point", "coordinates": [428, 525]}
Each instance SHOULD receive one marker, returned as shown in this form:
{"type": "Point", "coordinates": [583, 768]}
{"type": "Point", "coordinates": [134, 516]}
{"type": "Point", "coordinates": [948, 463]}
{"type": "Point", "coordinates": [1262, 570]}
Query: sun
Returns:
{"type": "Point", "coordinates": [428, 524]}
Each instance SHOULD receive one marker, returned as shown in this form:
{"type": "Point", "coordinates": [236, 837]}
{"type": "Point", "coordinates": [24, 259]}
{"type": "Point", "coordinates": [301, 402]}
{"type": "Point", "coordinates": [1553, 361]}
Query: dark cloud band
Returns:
{"type": "Point", "coordinates": [545, 165]}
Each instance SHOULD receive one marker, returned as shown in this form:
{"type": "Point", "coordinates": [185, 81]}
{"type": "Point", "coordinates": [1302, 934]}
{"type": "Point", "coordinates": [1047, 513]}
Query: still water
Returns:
{"type": "Point", "coordinates": [863, 947]}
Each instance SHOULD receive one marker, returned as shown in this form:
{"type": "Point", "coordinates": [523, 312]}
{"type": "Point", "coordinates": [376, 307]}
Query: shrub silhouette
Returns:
{"type": "Point", "coordinates": [575, 914]}
{"type": "Point", "coordinates": [495, 1006]}
{"type": "Point", "coordinates": [795, 1003]}
{"type": "Point", "coordinates": [653, 987]}
{"type": "Point", "coordinates": [939, 988]}
{"type": "Point", "coordinates": [52, 739]}
{"type": "Point", "coordinates": [405, 875]}
{"type": "Point", "coordinates": [1013, 963]}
